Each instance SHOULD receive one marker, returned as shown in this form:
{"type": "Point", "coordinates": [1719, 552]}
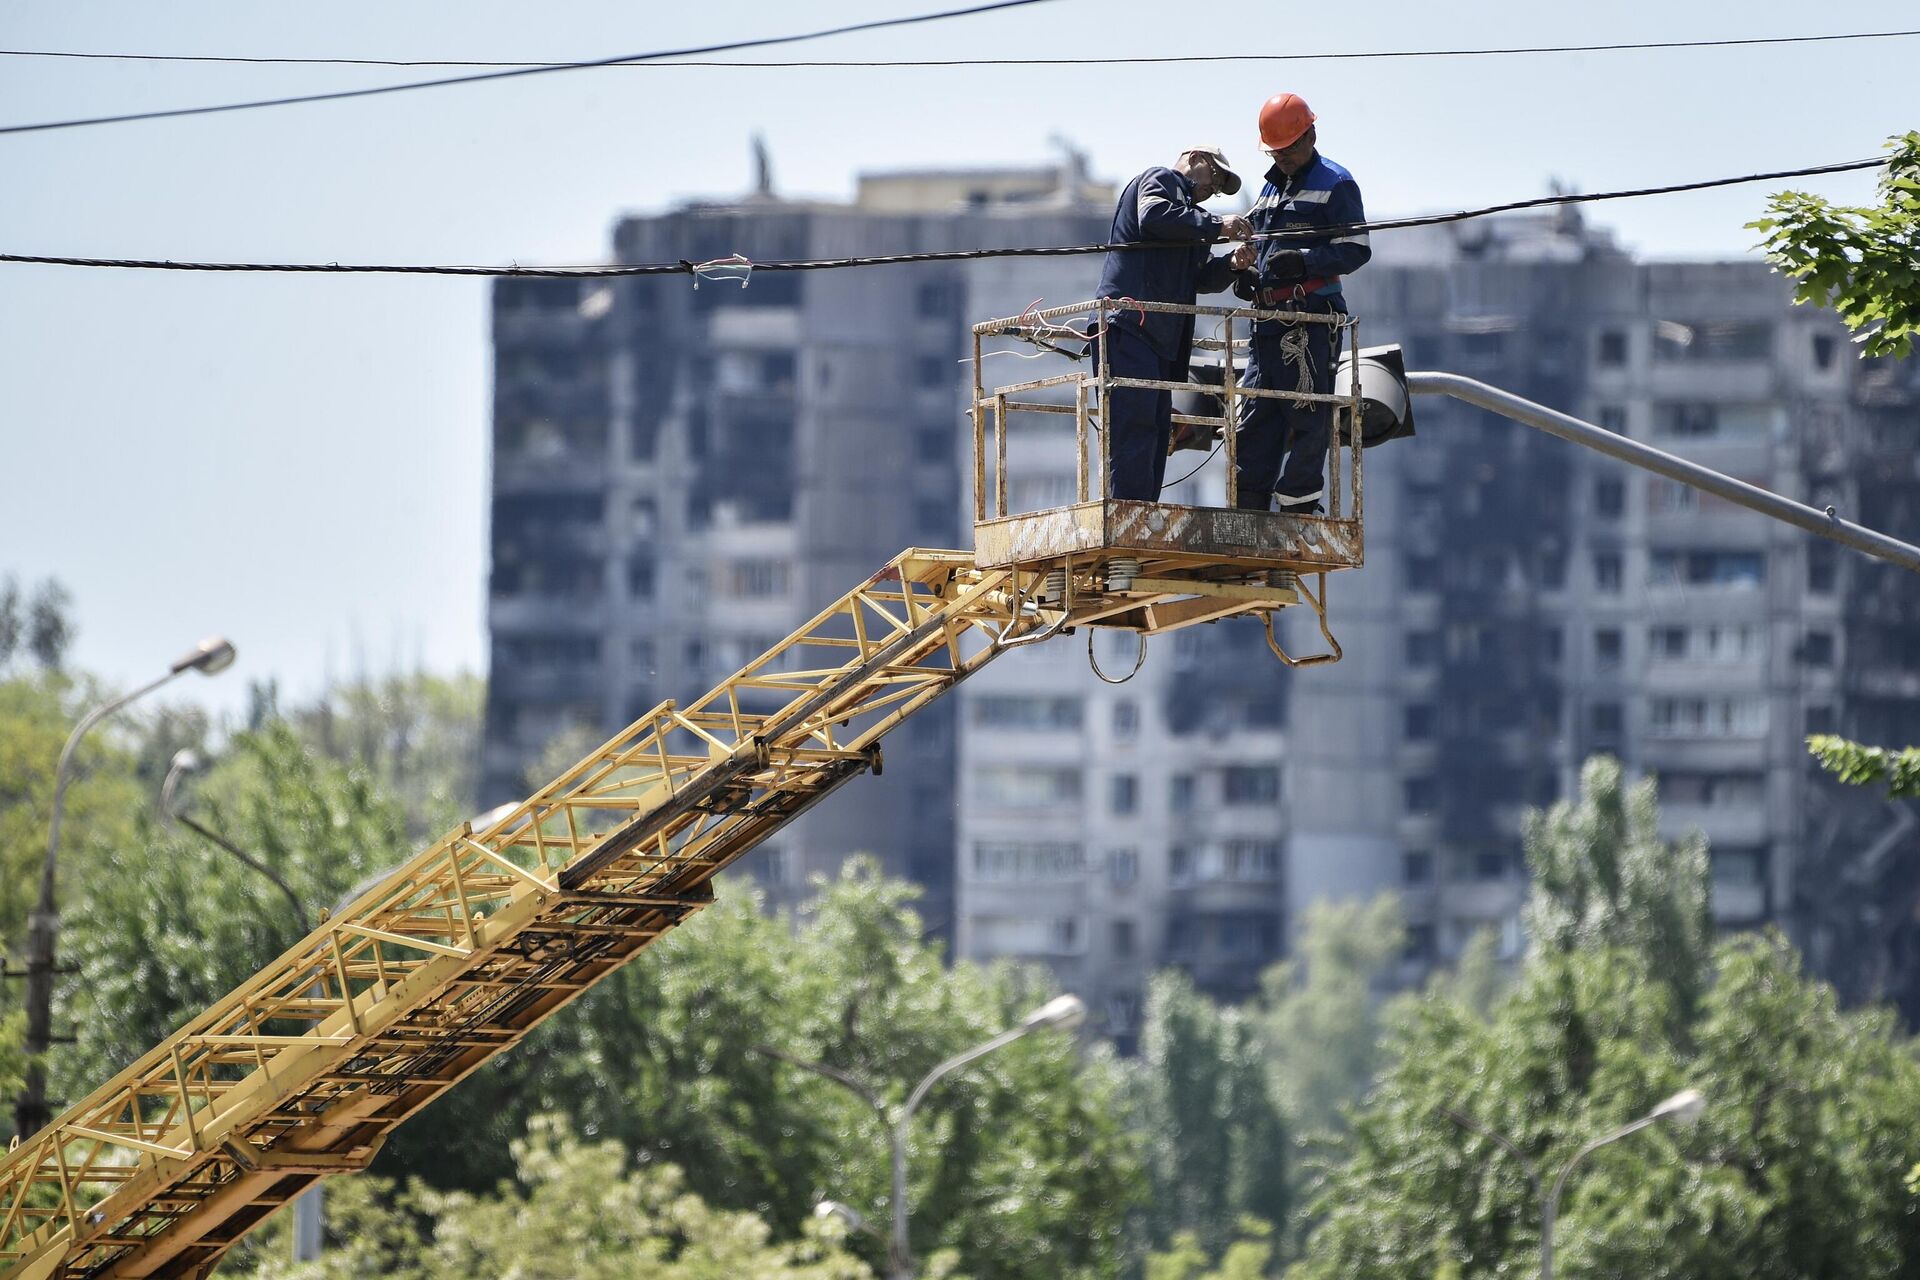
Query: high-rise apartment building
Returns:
{"type": "Point", "coordinates": [683, 475]}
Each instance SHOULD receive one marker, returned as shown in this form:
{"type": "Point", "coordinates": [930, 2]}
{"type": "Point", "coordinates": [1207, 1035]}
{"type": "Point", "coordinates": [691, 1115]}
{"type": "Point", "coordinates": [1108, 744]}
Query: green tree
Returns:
{"type": "Point", "coordinates": [1864, 766]}
{"type": "Point", "coordinates": [1603, 878]}
{"type": "Point", "coordinates": [1794, 1172]}
{"type": "Point", "coordinates": [38, 709]}
{"type": "Point", "coordinates": [1858, 260]}
{"type": "Point", "coordinates": [170, 922]}
{"type": "Point", "coordinates": [1021, 1164]}
{"type": "Point", "coordinates": [1217, 1145]}
{"type": "Point", "coordinates": [13, 1059]}
{"type": "Point", "coordinates": [1322, 1020]}
{"type": "Point", "coordinates": [417, 735]}
{"type": "Point", "coordinates": [574, 1210]}
{"type": "Point", "coordinates": [1249, 1257]}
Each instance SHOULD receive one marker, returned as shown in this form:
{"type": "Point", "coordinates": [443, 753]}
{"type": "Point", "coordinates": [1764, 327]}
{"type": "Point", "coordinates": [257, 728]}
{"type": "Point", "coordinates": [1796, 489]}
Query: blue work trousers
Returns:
{"type": "Point", "coordinates": [1142, 420]}
{"type": "Point", "coordinates": [1272, 430]}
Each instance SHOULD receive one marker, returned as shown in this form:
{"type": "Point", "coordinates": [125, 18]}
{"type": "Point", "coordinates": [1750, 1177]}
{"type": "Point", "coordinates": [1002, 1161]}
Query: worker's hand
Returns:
{"type": "Point", "coordinates": [1235, 227]}
{"type": "Point", "coordinates": [1243, 257]}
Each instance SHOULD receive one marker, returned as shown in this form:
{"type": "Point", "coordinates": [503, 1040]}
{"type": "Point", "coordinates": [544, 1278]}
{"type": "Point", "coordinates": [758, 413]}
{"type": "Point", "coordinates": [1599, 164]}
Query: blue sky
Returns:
{"type": "Point", "coordinates": [301, 462]}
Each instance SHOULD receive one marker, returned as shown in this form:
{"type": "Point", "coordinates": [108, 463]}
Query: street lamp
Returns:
{"type": "Point", "coordinates": [1683, 1108]}
{"type": "Point", "coordinates": [1064, 1012]}
{"type": "Point", "coordinates": [30, 1114]}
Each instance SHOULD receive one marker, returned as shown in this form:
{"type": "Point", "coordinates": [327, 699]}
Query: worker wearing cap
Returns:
{"type": "Point", "coordinates": [1314, 203]}
{"type": "Point", "coordinates": [1160, 207]}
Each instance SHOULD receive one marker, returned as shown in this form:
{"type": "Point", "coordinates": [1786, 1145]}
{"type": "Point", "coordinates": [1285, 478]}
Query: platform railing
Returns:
{"type": "Point", "coordinates": [1064, 330]}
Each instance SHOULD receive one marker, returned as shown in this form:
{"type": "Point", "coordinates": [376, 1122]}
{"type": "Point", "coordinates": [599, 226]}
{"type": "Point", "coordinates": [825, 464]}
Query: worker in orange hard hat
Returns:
{"type": "Point", "coordinates": [1306, 239]}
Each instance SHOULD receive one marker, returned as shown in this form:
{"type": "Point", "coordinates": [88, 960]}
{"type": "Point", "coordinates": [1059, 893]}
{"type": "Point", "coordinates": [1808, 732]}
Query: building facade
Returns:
{"type": "Point", "coordinates": [682, 476]}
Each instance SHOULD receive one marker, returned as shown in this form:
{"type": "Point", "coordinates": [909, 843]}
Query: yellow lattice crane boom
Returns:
{"type": "Point", "coordinates": [306, 1068]}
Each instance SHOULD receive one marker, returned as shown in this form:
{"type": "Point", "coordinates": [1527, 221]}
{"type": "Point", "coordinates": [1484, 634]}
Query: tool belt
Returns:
{"type": "Point", "coordinates": [1288, 294]}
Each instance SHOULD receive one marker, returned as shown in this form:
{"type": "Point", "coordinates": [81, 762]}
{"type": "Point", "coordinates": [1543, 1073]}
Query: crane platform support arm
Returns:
{"type": "Point", "coordinates": [456, 955]}
{"type": "Point", "coordinates": [459, 953]}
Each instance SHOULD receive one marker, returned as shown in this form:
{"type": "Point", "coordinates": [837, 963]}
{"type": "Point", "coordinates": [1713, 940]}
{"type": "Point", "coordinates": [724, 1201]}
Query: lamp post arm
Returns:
{"type": "Point", "coordinates": [953, 1064]}
{"type": "Point", "coordinates": [845, 1079]}
{"type": "Point", "coordinates": [1526, 1163]}
{"type": "Point", "coordinates": [247, 859]}
{"type": "Point", "coordinates": [93, 717]}
{"type": "Point", "coordinates": [1550, 1207]}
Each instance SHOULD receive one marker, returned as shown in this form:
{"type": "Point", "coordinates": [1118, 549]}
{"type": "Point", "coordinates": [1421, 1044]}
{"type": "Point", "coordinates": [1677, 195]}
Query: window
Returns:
{"type": "Point", "coordinates": [1670, 498]}
{"type": "Point", "coordinates": [1123, 866]}
{"type": "Point", "coordinates": [1737, 866]}
{"type": "Point", "coordinates": [1607, 647]}
{"type": "Point", "coordinates": [641, 653]}
{"type": "Point", "coordinates": [1417, 722]}
{"type": "Point", "coordinates": [1732, 789]}
{"type": "Point", "coordinates": [1552, 645]}
{"type": "Point", "coordinates": [1420, 943]}
{"type": "Point", "coordinates": [1416, 867]}
{"type": "Point", "coordinates": [1674, 342]}
{"type": "Point", "coordinates": [933, 444]}
{"type": "Point", "coordinates": [1823, 568]}
{"type": "Point", "coordinates": [1250, 860]}
{"type": "Point", "coordinates": [1823, 349]}
{"type": "Point", "coordinates": [1613, 348]}
{"type": "Point", "coordinates": [1419, 795]}
{"type": "Point", "coordinates": [1027, 860]}
{"type": "Point", "coordinates": [1027, 786]}
{"type": "Point", "coordinates": [639, 579]}
{"type": "Point", "coordinates": [1124, 932]}
{"type": "Point", "coordinates": [1016, 711]}
{"type": "Point", "coordinates": [1552, 569]}
{"type": "Point", "coordinates": [1817, 649]}
{"type": "Point", "coordinates": [755, 579]}
{"type": "Point", "coordinates": [1243, 934]}
{"type": "Point", "coordinates": [1609, 497]}
{"type": "Point", "coordinates": [1028, 935]}
{"type": "Point", "coordinates": [1724, 717]}
{"type": "Point", "coordinates": [1250, 784]}
{"type": "Point", "coordinates": [1123, 794]}
{"type": "Point", "coordinates": [1490, 865]}
{"type": "Point", "coordinates": [1606, 572]}
{"type": "Point", "coordinates": [1180, 865]}
{"type": "Point", "coordinates": [1126, 718]}
{"type": "Point", "coordinates": [1820, 718]}
{"type": "Point", "coordinates": [1421, 573]}
{"type": "Point", "coordinates": [934, 372]}
{"type": "Point", "coordinates": [1723, 570]}
{"type": "Point", "coordinates": [1692, 419]}
{"type": "Point", "coordinates": [936, 300]}
{"type": "Point", "coordinates": [1180, 793]}
{"type": "Point", "coordinates": [1606, 719]}
{"type": "Point", "coordinates": [1613, 417]}
{"type": "Point", "coordinates": [1423, 648]}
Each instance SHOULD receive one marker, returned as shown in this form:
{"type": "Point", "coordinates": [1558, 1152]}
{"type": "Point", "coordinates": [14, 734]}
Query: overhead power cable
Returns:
{"type": "Point", "coordinates": [945, 255]}
{"type": "Point", "coordinates": [653, 64]}
{"type": "Point", "coordinates": [523, 70]}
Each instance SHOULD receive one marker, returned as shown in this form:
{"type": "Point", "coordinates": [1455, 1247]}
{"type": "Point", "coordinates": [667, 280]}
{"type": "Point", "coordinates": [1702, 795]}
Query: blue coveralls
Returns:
{"type": "Point", "coordinates": [1296, 357]}
{"type": "Point", "coordinates": [1156, 206]}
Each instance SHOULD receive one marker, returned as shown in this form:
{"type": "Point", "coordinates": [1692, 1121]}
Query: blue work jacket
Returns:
{"type": "Point", "coordinates": [1159, 206]}
{"type": "Point", "coordinates": [1322, 195]}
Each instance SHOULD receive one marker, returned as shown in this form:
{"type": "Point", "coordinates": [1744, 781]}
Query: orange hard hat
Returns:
{"type": "Point", "coordinates": [1283, 118]}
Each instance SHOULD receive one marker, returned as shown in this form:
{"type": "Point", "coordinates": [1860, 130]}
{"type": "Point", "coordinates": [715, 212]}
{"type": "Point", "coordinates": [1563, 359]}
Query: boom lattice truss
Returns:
{"type": "Point", "coordinates": [304, 1070]}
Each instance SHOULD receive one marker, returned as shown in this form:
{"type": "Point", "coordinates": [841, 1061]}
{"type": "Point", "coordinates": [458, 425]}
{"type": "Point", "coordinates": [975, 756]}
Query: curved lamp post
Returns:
{"type": "Point", "coordinates": [1682, 1108]}
{"type": "Point", "coordinates": [209, 657]}
{"type": "Point", "coordinates": [185, 761]}
{"type": "Point", "coordinates": [1064, 1012]}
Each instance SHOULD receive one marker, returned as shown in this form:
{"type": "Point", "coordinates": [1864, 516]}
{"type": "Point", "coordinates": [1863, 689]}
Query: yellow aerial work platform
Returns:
{"type": "Point", "coordinates": [303, 1070]}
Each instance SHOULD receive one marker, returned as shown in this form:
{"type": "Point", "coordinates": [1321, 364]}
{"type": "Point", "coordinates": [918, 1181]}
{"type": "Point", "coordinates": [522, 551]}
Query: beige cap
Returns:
{"type": "Point", "coordinates": [1229, 180]}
